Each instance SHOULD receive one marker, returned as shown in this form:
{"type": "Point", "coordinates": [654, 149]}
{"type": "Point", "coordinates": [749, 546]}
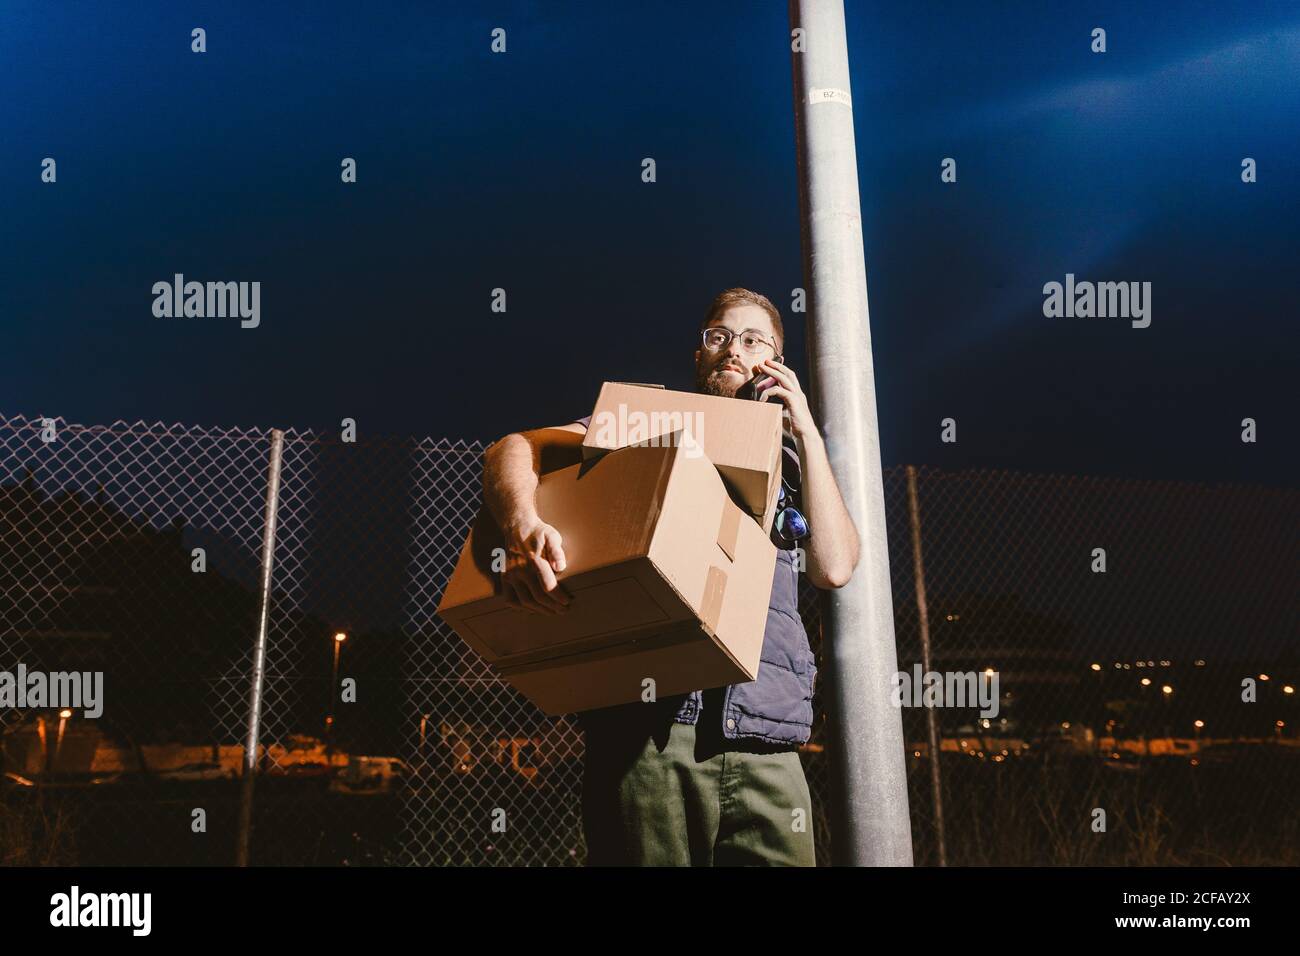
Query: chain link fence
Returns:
{"type": "Point", "coordinates": [135, 551]}
{"type": "Point", "coordinates": [1124, 620]}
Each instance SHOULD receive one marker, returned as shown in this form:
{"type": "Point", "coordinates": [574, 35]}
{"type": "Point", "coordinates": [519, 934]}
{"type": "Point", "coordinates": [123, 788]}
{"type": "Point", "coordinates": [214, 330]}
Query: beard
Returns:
{"type": "Point", "coordinates": [714, 382]}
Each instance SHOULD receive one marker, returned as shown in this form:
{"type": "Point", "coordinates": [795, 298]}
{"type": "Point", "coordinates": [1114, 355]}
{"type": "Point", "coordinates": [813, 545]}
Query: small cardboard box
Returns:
{"type": "Point", "coordinates": [670, 580]}
{"type": "Point", "coordinates": [741, 438]}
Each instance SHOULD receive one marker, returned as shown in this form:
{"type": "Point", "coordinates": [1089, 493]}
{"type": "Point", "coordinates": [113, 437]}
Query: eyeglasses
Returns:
{"type": "Point", "coordinates": [719, 337]}
{"type": "Point", "coordinates": [791, 525]}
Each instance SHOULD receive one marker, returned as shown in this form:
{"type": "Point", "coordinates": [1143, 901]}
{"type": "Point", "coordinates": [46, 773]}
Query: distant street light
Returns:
{"type": "Point", "coordinates": [1166, 691]}
{"type": "Point", "coordinates": [339, 638]}
{"type": "Point", "coordinates": [58, 740]}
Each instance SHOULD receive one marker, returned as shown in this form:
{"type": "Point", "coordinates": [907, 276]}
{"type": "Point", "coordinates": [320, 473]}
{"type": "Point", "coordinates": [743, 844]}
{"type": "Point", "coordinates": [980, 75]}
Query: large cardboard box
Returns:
{"type": "Point", "coordinates": [670, 580]}
{"type": "Point", "coordinates": [741, 438]}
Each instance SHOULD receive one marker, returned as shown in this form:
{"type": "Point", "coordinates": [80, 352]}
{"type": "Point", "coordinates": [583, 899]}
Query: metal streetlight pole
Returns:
{"type": "Point", "coordinates": [869, 814]}
{"type": "Point", "coordinates": [339, 638]}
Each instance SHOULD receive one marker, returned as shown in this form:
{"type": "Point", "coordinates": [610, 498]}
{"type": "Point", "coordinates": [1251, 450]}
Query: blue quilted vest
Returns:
{"type": "Point", "coordinates": [776, 708]}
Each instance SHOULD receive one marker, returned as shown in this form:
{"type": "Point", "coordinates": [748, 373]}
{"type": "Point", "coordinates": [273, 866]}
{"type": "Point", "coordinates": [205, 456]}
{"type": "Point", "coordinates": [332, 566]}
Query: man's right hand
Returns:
{"type": "Point", "coordinates": [533, 557]}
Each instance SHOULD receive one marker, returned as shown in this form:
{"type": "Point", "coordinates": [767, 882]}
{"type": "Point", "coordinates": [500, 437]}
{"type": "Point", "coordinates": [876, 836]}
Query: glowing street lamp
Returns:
{"type": "Point", "coordinates": [1166, 691]}
{"type": "Point", "coordinates": [339, 638]}
{"type": "Point", "coordinates": [58, 740]}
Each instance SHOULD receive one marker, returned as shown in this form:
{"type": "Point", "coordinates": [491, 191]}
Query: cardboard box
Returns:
{"type": "Point", "coordinates": [741, 438]}
{"type": "Point", "coordinates": [669, 579]}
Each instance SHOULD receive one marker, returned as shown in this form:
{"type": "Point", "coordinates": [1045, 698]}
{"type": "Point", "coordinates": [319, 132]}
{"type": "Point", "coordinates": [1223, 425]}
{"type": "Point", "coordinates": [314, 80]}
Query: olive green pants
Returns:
{"type": "Point", "coordinates": [673, 797]}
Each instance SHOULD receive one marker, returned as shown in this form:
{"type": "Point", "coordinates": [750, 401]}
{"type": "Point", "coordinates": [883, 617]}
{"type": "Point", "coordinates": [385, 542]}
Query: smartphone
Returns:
{"type": "Point", "coordinates": [750, 389]}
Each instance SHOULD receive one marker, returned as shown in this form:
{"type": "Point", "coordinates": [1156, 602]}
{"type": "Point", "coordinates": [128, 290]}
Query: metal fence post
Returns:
{"type": "Point", "coordinates": [923, 618]}
{"type": "Point", "coordinates": [251, 743]}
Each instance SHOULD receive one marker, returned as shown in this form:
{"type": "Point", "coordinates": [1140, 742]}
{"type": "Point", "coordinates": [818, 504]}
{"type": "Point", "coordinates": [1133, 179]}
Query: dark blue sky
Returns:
{"type": "Point", "coordinates": [523, 171]}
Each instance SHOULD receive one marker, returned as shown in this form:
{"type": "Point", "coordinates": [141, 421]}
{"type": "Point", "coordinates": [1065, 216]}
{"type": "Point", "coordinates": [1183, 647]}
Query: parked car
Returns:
{"type": "Point", "coordinates": [370, 775]}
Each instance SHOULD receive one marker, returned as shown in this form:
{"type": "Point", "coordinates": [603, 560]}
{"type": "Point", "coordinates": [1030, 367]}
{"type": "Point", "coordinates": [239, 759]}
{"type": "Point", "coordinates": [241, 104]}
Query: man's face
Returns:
{"type": "Point", "coordinates": [724, 371]}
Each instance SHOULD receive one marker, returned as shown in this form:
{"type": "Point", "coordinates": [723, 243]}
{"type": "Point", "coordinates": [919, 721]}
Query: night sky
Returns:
{"type": "Point", "coordinates": [523, 171]}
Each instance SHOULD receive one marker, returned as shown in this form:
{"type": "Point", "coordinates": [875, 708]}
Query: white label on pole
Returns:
{"type": "Point", "coordinates": [829, 95]}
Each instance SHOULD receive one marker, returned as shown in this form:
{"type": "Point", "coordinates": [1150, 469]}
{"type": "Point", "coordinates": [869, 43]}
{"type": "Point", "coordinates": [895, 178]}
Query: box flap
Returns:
{"type": "Point", "coordinates": [741, 438]}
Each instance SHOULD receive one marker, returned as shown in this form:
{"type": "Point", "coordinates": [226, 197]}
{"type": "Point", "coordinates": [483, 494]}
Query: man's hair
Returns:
{"type": "Point", "coordinates": [725, 300]}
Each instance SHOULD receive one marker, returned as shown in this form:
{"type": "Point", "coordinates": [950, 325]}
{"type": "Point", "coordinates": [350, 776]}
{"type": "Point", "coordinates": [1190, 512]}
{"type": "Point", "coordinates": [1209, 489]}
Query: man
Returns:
{"type": "Point", "coordinates": [712, 777]}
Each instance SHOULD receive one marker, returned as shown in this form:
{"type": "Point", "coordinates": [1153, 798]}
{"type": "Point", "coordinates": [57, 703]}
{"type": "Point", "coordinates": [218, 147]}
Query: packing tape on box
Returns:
{"type": "Point", "coordinates": [729, 531]}
{"type": "Point", "coordinates": [715, 585]}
